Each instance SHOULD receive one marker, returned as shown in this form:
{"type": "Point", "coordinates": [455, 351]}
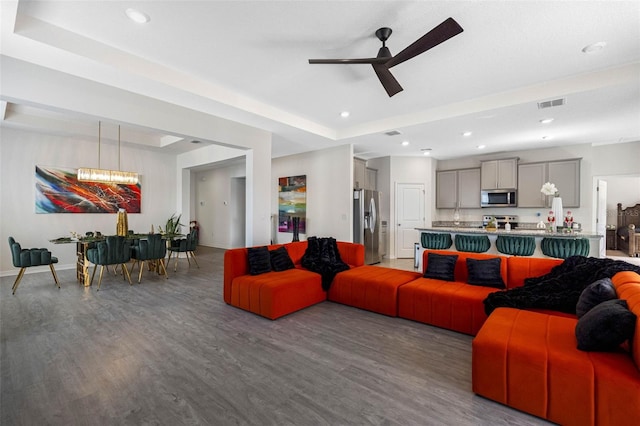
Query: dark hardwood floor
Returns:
{"type": "Point", "coordinates": [171, 352]}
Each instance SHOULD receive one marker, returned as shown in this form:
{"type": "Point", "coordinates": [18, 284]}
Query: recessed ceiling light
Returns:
{"type": "Point", "coordinates": [595, 47]}
{"type": "Point", "coordinates": [481, 146]}
{"type": "Point", "coordinates": [344, 114]}
{"type": "Point", "coordinates": [546, 120]}
{"type": "Point", "coordinates": [405, 143]}
{"type": "Point", "coordinates": [137, 16]}
{"type": "Point", "coordinates": [467, 134]}
{"type": "Point", "coordinates": [426, 151]}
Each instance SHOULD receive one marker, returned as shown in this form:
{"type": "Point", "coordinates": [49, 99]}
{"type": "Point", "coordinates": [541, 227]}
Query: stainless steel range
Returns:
{"type": "Point", "coordinates": [501, 220]}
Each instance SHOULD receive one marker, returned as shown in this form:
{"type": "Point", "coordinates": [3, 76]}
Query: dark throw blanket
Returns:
{"type": "Point", "coordinates": [322, 256]}
{"type": "Point", "coordinates": [560, 289]}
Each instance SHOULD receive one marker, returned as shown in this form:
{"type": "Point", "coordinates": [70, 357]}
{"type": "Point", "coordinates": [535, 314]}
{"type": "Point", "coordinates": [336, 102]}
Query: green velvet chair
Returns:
{"type": "Point", "coordinates": [24, 258]}
{"type": "Point", "coordinates": [436, 241]}
{"type": "Point", "coordinates": [472, 243]}
{"type": "Point", "coordinates": [185, 245]}
{"type": "Point", "coordinates": [516, 245]}
{"type": "Point", "coordinates": [152, 250]}
{"type": "Point", "coordinates": [563, 248]}
{"type": "Point", "coordinates": [115, 250]}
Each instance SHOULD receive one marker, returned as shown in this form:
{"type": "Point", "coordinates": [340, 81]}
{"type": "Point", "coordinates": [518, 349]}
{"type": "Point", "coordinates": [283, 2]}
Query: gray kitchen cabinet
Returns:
{"type": "Point", "coordinates": [499, 174]}
{"type": "Point", "coordinates": [469, 188]}
{"type": "Point", "coordinates": [458, 188]}
{"type": "Point", "coordinates": [565, 174]}
{"type": "Point", "coordinates": [359, 173]}
{"type": "Point", "coordinates": [371, 179]}
{"type": "Point", "coordinates": [531, 177]}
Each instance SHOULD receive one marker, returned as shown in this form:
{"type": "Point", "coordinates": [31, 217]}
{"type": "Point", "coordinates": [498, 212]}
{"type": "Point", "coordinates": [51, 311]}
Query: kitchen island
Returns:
{"type": "Point", "coordinates": [538, 247]}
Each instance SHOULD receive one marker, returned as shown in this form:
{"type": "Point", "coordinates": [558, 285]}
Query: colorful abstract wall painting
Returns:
{"type": "Point", "coordinates": [59, 191]}
{"type": "Point", "coordinates": [292, 202]}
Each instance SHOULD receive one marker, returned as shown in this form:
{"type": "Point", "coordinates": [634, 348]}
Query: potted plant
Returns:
{"type": "Point", "coordinates": [172, 226]}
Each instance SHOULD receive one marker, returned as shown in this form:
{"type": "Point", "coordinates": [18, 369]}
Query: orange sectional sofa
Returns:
{"type": "Point", "coordinates": [526, 359]}
{"type": "Point", "coordinates": [456, 305]}
{"type": "Point", "coordinates": [530, 361]}
{"type": "Point", "coordinates": [275, 294]}
{"type": "Point", "coordinates": [373, 288]}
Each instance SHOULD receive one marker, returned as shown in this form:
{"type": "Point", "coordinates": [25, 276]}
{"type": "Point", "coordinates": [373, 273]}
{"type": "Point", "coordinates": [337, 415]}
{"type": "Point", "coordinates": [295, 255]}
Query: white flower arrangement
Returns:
{"type": "Point", "coordinates": [550, 189]}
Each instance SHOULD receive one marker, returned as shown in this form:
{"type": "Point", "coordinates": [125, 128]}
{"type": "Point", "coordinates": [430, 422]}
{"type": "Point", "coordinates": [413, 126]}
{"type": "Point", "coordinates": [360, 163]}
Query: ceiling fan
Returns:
{"type": "Point", "coordinates": [381, 63]}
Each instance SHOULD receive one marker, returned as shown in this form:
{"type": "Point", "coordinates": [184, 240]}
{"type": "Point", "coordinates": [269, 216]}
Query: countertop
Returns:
{"type": "Point", "coordinates": [541, 233]}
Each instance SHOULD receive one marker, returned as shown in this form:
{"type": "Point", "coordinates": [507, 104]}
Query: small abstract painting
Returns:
{"type": "Point", "coordinates": [292, 202]}
{"type": "Point", "coordinates": [59, 191]}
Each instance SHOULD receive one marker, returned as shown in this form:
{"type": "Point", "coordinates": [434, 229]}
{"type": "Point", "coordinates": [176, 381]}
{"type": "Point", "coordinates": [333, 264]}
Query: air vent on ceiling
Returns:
{"type": "Point", "coordinates": [392, 133]}
{"type": "Point", "coordinates": [552, 103]}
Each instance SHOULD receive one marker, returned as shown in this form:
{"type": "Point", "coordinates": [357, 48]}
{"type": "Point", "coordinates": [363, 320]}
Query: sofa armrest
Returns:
{"type": "Point", "coordinates": [351, 253]}
{"type": "Point", "coordinates": [235, 265]}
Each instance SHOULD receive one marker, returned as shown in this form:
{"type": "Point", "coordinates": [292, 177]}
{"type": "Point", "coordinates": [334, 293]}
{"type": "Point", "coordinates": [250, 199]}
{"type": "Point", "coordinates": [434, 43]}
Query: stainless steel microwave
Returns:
{"type": "Point", "coordinates": [498, 198]}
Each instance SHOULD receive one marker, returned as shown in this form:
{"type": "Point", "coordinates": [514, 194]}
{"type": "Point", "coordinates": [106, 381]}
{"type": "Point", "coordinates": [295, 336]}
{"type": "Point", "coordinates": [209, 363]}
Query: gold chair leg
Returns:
{"type": "Point", "coordinates": [140, 274]}
{"type": "Point", "coordinates": [99, 278]}
{"type": "Point", "coordinates": [162, 268]}
{"type": "Point", "coordinates": [126, 271]}
{"type": "Point", "coordinates": [18, 279]}
{"type": "Point", "coordinates": [133, 267]}
{"type": "Point", "coordinates": [55, 276]}
{"type": "Point", "coordinates": [193, 256]}
{"type": "Point", "coordinates": [95, 268]}
{"type": "Point", "coordinates": [175, 265]}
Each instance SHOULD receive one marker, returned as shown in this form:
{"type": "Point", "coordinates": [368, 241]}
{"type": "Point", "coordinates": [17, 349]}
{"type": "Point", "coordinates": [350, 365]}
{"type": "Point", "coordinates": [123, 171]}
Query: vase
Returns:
{"type": "Point", "coordinates": [122, 225]}
{"type": "Point", "coordinates": [296, 229]}
{"type": "Point", "coordinates": [556, 207]}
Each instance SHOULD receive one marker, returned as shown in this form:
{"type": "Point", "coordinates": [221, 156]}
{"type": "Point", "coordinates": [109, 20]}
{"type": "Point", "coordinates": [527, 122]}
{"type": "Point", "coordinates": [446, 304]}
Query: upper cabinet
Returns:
{"type": "Point", "coordinates": [363, 176]}
{"type": "Point", "coordinates": [359, 173]}
{"type": "Point", "coordinates": [565, 174]}
{"type": "Point", "coordinates": [531, 177]}
{"type": "Point", "coordinates": [371, 179]}
{"type": "Point", "coordinates": [458, 188]}
{"type": "Point", "coordinates": [499, 174]}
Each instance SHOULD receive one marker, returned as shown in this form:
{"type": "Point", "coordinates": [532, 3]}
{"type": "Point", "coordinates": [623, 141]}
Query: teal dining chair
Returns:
{"type": "Point", "coordinates": [25, 258]}
{"type": "Point", "coordinates": [185, 245]}
{"type": "Point", "coordinates": [150, 249]}
{"type": "Point", "coordinates": [115, 250]}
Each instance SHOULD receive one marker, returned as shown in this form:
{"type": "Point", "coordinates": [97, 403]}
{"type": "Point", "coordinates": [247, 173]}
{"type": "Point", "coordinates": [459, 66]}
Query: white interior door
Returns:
{"type": "Point", "coordinates": [409, 216]}
{"type": "Point", "coordinates": [601, 215]}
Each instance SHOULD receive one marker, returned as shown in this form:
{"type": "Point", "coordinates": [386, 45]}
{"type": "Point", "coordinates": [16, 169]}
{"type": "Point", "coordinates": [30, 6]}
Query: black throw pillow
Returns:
{"type": "Point", "coordinates": [485, 272]}
{"type": "Point", "coordinates": [259, 260]}
{"type": "Point", "coordinates": [280, 260]}
{"type": "Point", "coordinates": [606, 326]}
{"type": "Point", "coordinates": [441, 266]}
{"type": "Point", "coordinates": [596, 293]}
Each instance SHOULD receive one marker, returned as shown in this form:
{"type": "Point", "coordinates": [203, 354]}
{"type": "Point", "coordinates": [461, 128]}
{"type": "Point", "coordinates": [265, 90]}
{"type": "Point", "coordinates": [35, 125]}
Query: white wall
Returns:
{"type": "Point", "coordinates": [215, 206]}
{"type": "Point", "coordinates": [329, 191]}
{"type": "Point", "coordinates": [21, 151]}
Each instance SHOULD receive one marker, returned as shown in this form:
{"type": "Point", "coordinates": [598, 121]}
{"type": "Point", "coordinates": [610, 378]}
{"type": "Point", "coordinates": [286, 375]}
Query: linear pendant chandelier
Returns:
{"type": "Point", "coordinates": [86, 174]}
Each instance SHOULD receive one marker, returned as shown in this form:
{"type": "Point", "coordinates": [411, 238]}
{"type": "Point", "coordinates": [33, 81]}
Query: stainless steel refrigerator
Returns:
{"type": "Point", "coordinates": [366, 223]}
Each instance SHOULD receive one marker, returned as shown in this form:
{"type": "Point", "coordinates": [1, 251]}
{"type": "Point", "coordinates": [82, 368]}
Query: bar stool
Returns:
{"type": "Point", "coordinates": [472, 243]}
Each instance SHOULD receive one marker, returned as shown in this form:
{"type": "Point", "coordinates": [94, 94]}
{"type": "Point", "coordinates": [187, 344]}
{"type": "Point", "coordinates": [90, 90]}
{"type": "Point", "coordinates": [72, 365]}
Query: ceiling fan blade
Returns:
{"type": "Point", "coordinates": [443, 32]}
{"type": "Point", "coordinates": [388, 81]}
{"type": "Point", "coordinates": [349, 61]}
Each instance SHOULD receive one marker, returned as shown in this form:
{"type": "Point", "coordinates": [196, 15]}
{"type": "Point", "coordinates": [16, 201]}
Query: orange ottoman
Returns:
{"type": "Point", "coordinates": [374, 288]}
{"type": "Point", "coordinates": [275, 294]}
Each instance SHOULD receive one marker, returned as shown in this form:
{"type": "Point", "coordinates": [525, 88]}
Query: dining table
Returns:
{"type": "Point", "coordinates": [83, 243]}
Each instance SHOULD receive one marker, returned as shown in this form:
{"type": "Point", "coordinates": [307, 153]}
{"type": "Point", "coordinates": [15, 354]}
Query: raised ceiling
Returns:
{"type": "Point", "coordinates": [247, 62]}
